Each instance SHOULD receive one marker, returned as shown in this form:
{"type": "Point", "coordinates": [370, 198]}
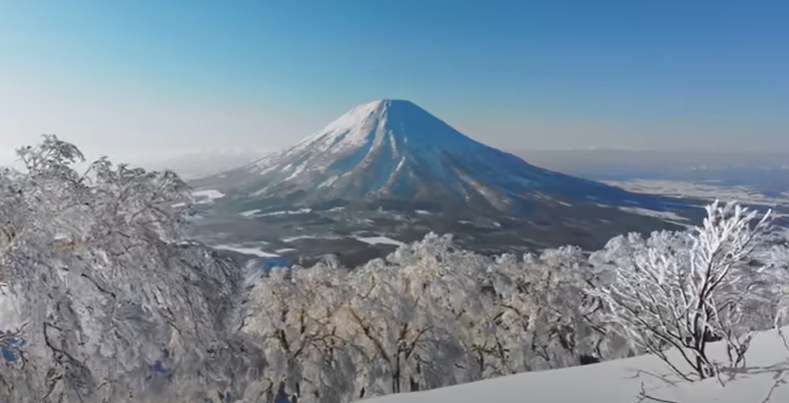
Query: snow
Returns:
{"type": "Point", "coordinates": [423, 212]}
{"type": "Point", "coordinates": [379, 240]}
{"type": "Point", "coordinates": [620, 382]}
{"type": "Point", "coordinates": [211, 194]}
{"type": "Point", "coordinates": [287, 212]}
{"type": "Point", "coordinates": [286, 250]}
{"type": "Point", "coordinates": [261, 191]}
{"type": "Point", "coordinates": [250, 213]}
{"type": "Point", "coordinates": [300, 237]}
{"type": "Point", "coordinates": [297, 172]}
{"type": "Point", "coordinates": [665, 215]}
{"type": "Point", "coordinates": [328, 182]}
{"type": "Point", "coordinates": [245, 250]}
{"type": "Point", "coordinates": [704, 191]}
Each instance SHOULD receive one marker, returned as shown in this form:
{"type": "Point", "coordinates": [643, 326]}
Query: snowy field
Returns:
{"type": "Point", "coordinates": [667, 216]}
{"type": "Point", "coordinates": [621, 381]}
{"type": "Point", "coordinates": [379, 240]}
{"type": "Point", "coordinates": [245, 250]}
{"type": "Point", "coordinates": [207, 196]}
{"type": "Point", "coordinates": [701, 191]}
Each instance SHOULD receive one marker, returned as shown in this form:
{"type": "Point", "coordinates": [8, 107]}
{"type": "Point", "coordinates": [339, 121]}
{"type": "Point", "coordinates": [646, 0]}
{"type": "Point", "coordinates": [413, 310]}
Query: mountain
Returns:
{"type": "Point", "coordinates": [395, 151]}
{"type": "Point", "coordinates": [388, 172]}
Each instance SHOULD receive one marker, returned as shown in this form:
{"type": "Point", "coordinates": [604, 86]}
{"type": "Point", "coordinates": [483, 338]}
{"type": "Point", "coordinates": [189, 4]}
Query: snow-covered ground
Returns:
{"type": "Point", "coordinates": [246, 251]}
{"type": "Point", "coordinates": [621, 382]}
{"type": "Point", "coordinates": [379, 240]}
{"type": "Point", "coordinates": [667, 216]}
{"type": "Point", "coordinates": [703, 191]}
{"type": "Point", "coordinates": [286, 212]}
{"type": "Point", "coordinates": [210, 194]}
{"type": "Point", "coordinates": [250, 213]}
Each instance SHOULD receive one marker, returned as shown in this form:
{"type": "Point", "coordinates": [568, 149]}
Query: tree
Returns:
{"type": "Point", "coordinates": [390, 330]}
{"type": "Point", "coordinates": [115, 308]}
{"type": "Point", "coordinates": [294, 312]}
{"type": "Point", "coordinates": [686, 297]}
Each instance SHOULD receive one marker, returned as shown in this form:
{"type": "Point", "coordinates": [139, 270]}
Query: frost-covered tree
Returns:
{"type": "Point", "coordinates": [683, 297]}
{"type": "Point", "coordinates": [393, 335]}
{"type": "Point", "coordinates": [490, 324]}
{"type": "Point", "coordinates": [444, 282]}
{"type": "Point", "coordinates": [109, 306]}
{"type": "Point", "coordinates": [293, 315]}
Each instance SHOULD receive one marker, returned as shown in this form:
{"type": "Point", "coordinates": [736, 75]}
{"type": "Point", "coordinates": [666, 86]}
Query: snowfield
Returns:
{"type": "Point", "coordinates": [621, 382]}
{"type": "Point", "coordinates": [247, 251]}
{"type": "Point", "coordinates": [379, 240]}
{"type": "Point", "coordinates": [286, 212]}
{"type": "Point", "coordinates": [250, 213]}
{"type": "Point", "coordinates": [209, 194]}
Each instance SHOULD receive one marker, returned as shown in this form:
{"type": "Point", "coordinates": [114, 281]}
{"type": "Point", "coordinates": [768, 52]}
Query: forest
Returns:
{"type": "Point", "coordinates": [102, 299]}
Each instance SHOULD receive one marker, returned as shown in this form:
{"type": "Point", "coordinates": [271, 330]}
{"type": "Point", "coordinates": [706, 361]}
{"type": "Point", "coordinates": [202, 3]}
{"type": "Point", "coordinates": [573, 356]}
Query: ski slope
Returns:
{"type": "Point", "coordinates": [621, 382]}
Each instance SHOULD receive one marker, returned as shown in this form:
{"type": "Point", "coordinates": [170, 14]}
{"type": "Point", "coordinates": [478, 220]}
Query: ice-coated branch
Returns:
{"type": "Point", "coordinates": [685, 297]}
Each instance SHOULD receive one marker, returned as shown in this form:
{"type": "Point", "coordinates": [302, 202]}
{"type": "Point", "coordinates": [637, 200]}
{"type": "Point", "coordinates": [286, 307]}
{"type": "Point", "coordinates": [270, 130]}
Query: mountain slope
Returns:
{"type": "Point", "coordinates": [395, 150]}
{"type": "Point", "coordinates": [619, 382]}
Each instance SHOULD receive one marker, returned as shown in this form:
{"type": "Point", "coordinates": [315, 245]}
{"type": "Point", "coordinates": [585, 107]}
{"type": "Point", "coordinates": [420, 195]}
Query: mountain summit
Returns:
{"type": "Point", "coordinates": [393, 150]}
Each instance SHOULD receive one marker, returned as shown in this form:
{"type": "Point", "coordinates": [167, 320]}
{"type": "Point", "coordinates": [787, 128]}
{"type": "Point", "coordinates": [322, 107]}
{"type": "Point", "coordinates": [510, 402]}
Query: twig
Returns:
{"type": "Point", "coordinates": [643, 396]}
{"type": "Point", "coordinates": [779, 380]}
{"type": "Point", "coordinates": [663, 378]}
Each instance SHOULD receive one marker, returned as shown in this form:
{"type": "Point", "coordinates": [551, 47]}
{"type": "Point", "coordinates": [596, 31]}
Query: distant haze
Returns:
{"type": "Point", "coordinates": [149, 80]}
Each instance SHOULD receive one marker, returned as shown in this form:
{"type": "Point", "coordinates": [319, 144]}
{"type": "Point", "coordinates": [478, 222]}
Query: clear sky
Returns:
{"type": "Point", "coordinates": [150, 76]}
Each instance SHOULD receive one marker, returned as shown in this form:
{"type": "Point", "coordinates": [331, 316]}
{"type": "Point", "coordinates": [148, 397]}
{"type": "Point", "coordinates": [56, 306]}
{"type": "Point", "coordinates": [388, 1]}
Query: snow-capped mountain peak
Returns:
{"type": "Point", "coordinates": [390, 118]}
{"type": "Point", "coordinates": [393, 124]}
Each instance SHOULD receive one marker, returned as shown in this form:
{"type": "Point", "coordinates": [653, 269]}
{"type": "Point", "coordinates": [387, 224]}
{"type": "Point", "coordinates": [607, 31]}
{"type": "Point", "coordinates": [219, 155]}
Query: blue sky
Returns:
{"type": "Point", "coordinates": [515, 73]}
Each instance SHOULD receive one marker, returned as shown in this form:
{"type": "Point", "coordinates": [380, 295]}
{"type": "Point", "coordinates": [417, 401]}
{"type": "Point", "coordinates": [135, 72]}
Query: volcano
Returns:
{"type": "Point", "coordinates": [395, 151]}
